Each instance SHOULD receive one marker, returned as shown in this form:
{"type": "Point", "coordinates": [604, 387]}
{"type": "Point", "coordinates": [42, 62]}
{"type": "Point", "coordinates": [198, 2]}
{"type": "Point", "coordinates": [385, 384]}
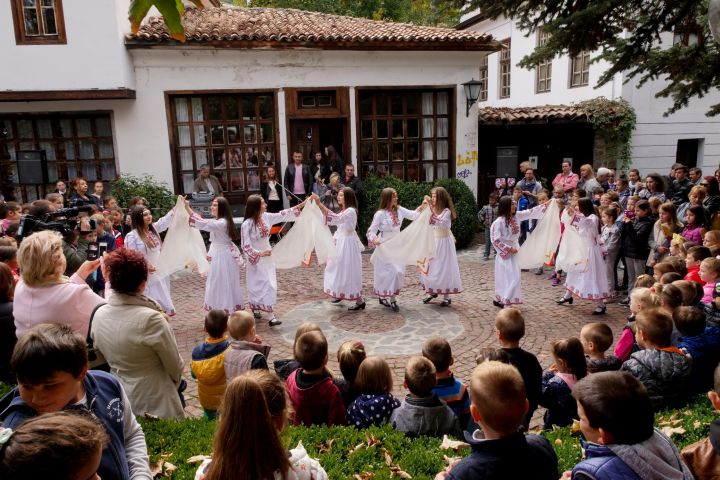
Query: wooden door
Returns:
{"type": "Point", "coordinates": [305, 137]}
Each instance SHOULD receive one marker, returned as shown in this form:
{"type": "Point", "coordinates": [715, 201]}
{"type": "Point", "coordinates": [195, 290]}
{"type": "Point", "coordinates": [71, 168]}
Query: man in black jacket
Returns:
{"type": "Point", "coordinates": [350, 180]}
{"type": "Point", "coordinates": [681, 186]}
{"type": "Point", "coordinates": [297, 180]}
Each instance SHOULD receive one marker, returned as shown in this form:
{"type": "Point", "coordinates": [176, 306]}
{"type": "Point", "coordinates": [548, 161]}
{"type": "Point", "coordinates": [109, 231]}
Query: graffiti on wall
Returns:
{"type": "Point", "coordinates": [466, 168]}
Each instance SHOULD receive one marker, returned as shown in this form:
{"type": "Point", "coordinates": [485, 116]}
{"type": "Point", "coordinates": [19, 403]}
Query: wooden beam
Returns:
{"type": "Point", "coordinates": [60, 95]}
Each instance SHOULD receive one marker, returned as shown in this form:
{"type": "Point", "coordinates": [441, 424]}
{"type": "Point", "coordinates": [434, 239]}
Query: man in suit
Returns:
{"type": "Point", "coordinates": [206, 182]}
{"type": "Point", "coordinates": [297, 179]}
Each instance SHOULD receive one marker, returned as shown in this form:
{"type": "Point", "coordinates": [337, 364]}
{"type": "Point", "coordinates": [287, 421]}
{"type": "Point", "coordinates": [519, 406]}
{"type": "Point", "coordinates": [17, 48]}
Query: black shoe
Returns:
{"type": "Point", "coordinates": [257, 315]}
{"type": "Point", "coordinates": [565, 300]}
{"type": "Point", "coordinates": [625, 303]}
{"type": "Point", "coordinates": [384, 302]}
{"type": "Point", "coordinates": [430, 298]}
{"type": "Point", "coordinates": [357, 306]}
{"type": "Point", "coordinates": [394, 306]}
{"type": "Point", "coordinates": [599, 311]}
{"type": "Point", "coordinates": [498, 304]}
{"type": "Point", "coordinates": [337, 300]}
{"type": "Point", "coordinates": [446, 302]}
{"type": "Point", "coordinates": [274, 322]}
{"type": "Point", "coordinates": [539, 271]}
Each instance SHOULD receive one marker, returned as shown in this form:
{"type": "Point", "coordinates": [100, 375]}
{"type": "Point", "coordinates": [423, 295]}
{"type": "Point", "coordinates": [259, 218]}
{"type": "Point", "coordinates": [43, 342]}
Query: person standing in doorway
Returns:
{"type": "Point", "coordinates": [297, 180]}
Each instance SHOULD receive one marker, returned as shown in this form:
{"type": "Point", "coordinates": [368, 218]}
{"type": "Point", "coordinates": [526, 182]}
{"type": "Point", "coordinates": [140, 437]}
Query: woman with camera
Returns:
{"type": "Point", "coordinates": [43, 294]}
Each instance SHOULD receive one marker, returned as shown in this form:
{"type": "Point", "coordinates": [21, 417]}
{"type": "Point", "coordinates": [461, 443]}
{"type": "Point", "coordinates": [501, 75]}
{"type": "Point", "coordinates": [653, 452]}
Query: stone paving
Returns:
{"type": "Point", "coordinates": [468, 323]}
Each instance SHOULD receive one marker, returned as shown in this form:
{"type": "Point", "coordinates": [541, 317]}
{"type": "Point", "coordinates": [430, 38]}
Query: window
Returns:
{"type": "Point", "coordinates": [406, 133]}
{"type": "Point", "coordinates": [74, 144]}
{"type": "Point", "coordinates": [320, 99]}
{"type": "Point", "coordinates": [688, 34]}
{"type": "Point", "coordinates": [543, 72]}
{"type": "Point", "coordinates": [504, 68]}
{"type": "Point", "coordinates": [580, 69]}
{"type": "Point", "coordinates": [483, 79]}
{"type": "Point", "coordinates": [38, 22]}
{"type": "Point", "coordinates": [234, 134]}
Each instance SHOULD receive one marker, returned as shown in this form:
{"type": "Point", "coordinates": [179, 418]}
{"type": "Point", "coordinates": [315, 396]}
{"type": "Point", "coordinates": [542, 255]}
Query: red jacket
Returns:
{"type": "Point", "coordinates": [694, 275]}
{"type": "Point", "coordinates": [317, 405]}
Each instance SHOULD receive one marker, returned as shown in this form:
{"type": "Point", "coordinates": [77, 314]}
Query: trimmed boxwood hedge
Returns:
{"type": "Point", "coordinates": [410, 195]}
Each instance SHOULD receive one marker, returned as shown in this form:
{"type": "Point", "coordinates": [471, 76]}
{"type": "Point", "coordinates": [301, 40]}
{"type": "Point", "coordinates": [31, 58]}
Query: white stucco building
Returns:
{"type": "Point", "coordinates": [246, 88]}
{"type": "Point", "coordinates": [528, 113]}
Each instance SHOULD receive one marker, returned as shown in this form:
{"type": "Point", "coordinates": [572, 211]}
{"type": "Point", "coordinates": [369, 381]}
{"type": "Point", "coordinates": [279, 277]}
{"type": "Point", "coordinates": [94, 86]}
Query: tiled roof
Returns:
{"type": "Point", "coordinates": [531, 114]}
{"type": "Point", "coordinates": [238, 27]}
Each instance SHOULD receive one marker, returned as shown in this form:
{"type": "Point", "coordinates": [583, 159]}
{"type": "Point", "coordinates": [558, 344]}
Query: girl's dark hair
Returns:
{"type": "Point", "coordinates": [386, 197]}
{"type": "Point", "coordinates": [570, 350]}
{"type": "Point", "coordinates": [7, 283]}
{"type": "Point", "coordinates": [713, 188]}
{"type": "Point", "coordinates": [54, 445]}
{"type": "Point", "coordinates": [611, 212]}
{"type": "Point", "coordinates": [444, 200]}
{"type": "Point", "coordinates": [252, 404]}
{"type": "Point", "coordinates": [350, 200]}
{"type": "Point", "coordinates": [374, 377]}
{"type": "Point", "coordinates": [350, 355]}
{"type": "Point", "coordinates": [137, 221]}
{"type": "Point", "coordinates": [643, 205]}
{"type": "Point", "coordinates": [127, 269]}
{"type": "Point", "coordinates": [586, 206]}
{"type": "Point", "coordinates": [253, 207]}
{"type": "Point", "coordinates": [332, 155]}
{"type": "Point", "coordinates": [505, 207]}
{"type": "Point", "coordinates": [225, 211]}
{"type": "Point", "coordinates": [700, 217]}
{"type": "Point", "coordinates": [267, 178]}
{"type": "Point", "coordinates": [659, 182]}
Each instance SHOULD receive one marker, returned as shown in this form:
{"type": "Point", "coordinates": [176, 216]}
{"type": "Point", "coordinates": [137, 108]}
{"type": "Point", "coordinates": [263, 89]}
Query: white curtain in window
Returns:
{"type": "Point", "coordinates": [427, 127]}
{"type": "Point", "coordinates": [197, 110]}
{"type": "Point", "coordinates": [442, 170]}
{"type": "Point", "coordinates": [181, 110]}
{"type": "Point", "coordinates": [443, 127]}
{"type": "Point", "coordinates": [427, 103]}
{"type": "Point", "coordinates": [429, 172]}
{"type": "Point", "coordinates": [442, 103]}
{"type": "Point", "coordinates": [428, 153]}
{"type": "Point", "coordinates": [184, 136]}
{"type": "Point", "coordinates": [108, 170]}
{"type": "Point", "coordinates": [442, 150]}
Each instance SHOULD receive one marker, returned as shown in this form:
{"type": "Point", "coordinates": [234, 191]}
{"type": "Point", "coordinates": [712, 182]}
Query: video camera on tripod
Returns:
{"type": "Point", "coordinates": [65, 221]}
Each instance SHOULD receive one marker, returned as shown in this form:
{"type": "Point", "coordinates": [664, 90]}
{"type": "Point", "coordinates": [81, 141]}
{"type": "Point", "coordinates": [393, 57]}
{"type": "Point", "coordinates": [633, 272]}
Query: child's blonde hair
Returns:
{"type": "Point", "coordinates": [240, 324]}
{"type": "Point", "coordinates": [498, 392]}
{"type": "Point", "coordinates": [374, 377]}
{"type": "Point", "coordinates": [644, 281]}
{"type": "Point", "coordinates": [350, 355]}
{"type": "Point", "coordinates": [711, 264]}
{"type": "Point", "coordinates": [644, 298]}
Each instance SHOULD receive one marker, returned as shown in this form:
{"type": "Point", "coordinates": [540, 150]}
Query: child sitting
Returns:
{"type": "Point", "coordinates": [640, 299]}
{"type": "Point", "coordinates": [315, 398]}
{"type": "Point", "coordinates": [55, 445]}
{"type": "Point", "coordinates": [449, 389]}
{"type": "Point", "coordinates": [670, 277]}
{"type": "Point", "coordinates": [703, 457]}
{"type": "Point", "coordinates": [616, 419]}
{"type": "Point", "coordinates": [350, 355]}
{"type": "Point", "coordinates": [662, 368]}
{"type": "Point", "coordinates": [709, 273]}
{"type": "Point", "coordinates": [51, 365]}
{"type": "Point", "coordinates": [286, 366]}
{"type": "Point", "coordinates": [692, 292]}
{"type": "Point", "coordinates": [660, 269]}
{"type": "Point", "coordinates": [7, 323]}
{"type": "Point", "coordinates": [509, 329]}
{"type": "Point", "coordinates": [422, 412]}
{"type": "Point", "coordinates": [208, 360]}
{"type": "Point", "coordinates": [694, 224]}
{"type": "Point", "coordinates": [500, 450]}
{"type": "Point", "coordinates": [596, 338]}
{"type": "Point", "coordinates": [8, 256]}
{"type": "Point", "coordinates": [701, 342]}
{"type": "Point", "coordinates": [694, 257]}
{"type": "Point", "coordinates": [558, 381]}
{"type": "Point", "coordinates": [248, 443]}
{"type": "Point", "coordinates": [375, 403]}
{"type": "Point", "coordinates": [246, 351]}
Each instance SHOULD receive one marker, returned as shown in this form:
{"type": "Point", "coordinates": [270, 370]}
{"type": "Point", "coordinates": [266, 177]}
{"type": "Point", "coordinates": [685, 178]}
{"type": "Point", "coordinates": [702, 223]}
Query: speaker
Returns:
{"type": "Point", "coordinates": [32, 167]}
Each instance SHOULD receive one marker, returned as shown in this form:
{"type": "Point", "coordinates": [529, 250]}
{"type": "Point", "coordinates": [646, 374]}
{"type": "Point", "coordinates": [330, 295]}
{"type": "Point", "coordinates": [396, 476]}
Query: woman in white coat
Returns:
{"type": "Point", "coordinates": [388, 277]}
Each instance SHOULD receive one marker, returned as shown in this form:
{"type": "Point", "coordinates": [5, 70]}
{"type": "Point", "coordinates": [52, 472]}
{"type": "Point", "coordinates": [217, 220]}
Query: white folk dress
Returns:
{"type": "Point", "coordinates": [260, 271]}
{"type": "Point", "coordinates": [442, 275]}
{"type": "Point", "coordinates": [591, 282]}
{"type": "Point", "coordinates": [222, 289]}
{"type": "Point", "coordinates": [343, 273]}
{"type": "Point", "coordinates": [388, 278]}
{"type": "Point", "coordinates": [504, 236]}
{"type": "Point", "coordinates": [157, 289]}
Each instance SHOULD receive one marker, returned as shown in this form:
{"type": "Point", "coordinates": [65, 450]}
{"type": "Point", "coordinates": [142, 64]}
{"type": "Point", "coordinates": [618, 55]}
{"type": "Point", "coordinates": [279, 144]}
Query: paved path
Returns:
{"type": "Point", "coordinates": [468, 323]}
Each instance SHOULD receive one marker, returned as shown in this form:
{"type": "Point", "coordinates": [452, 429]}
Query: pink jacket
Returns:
{"type": "Point", "coordinates": [69, 303]}
{"type": "Point", "coordinates": [568, 183]}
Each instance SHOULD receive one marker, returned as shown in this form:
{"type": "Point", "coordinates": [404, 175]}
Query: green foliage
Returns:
{"type": "Point", "coordinates": [171, 11]}
{"type": "Point", "coordinates": [410, 195]}
{"type": "Point", "coordinates": [614, 121]}
{"type": "Point", "coordinates": [158, 194]}
{"type": "Point", "coordinates": [5, 388]}
{"type": "Point", "coordinates": [625, 34]}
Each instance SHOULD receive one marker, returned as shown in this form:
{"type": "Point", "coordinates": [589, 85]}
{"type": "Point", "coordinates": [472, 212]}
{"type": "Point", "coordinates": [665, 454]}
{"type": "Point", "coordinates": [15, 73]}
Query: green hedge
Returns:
{"type": "Point", "coordinates": [158, 194]}
{"type": "Point", "coordinates": [410, 195]}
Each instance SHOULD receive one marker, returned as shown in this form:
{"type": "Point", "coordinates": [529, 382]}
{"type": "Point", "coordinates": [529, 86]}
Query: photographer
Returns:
{"type": "Point", "coordinates": [329, 193]}
{"type": "Point", "coordinates": [75, 245]}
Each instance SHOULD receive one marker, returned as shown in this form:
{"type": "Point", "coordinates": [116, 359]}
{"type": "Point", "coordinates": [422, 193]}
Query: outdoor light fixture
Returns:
{"type": "Point", "coordinates": [472, 93]}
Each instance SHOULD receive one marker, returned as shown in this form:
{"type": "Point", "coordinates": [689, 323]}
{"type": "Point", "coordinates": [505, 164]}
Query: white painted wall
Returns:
{"type": "Point", "coordinates": [94, 56]}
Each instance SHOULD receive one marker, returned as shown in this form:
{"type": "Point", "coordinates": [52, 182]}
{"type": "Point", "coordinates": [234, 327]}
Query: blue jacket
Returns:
{"type": "Point", "coordinates": [104, 401]}
{"type": "Point", "coordinates": [368, 410]}
{"type": "Point", "coordinates": [705, 352]}
{"type": "Point", "coordinates": [556, 397]}
{"type": "Point", "coordinates": [513, 457]}
{"type": "Point", "coordinates": [600, 464]}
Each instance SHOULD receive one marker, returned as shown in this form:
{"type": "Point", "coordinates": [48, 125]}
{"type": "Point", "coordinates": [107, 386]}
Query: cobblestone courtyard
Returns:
{"type": "Point", "coordinates": [468, 323]}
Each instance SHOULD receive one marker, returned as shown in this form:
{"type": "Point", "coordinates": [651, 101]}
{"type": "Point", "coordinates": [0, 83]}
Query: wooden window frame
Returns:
{"type": "Point", "coordinates": [685, 30]}
{"type": "Point", "coordinates": [543, 72]}
{"type": "Point", "coordinates": [21, 35]}
{"type": "Point", "coordinates": [234, 195]}
{"type": "Point", "coordinates": [584, 59]}
{"type": "Point", "coordinates": [484, 79]}
{"type": "Point", "coordinates": [60, 144]}
{"type": "Point", "coordinates": [504, 69]}
{"type": "Point", "coordinates": [390, 141]}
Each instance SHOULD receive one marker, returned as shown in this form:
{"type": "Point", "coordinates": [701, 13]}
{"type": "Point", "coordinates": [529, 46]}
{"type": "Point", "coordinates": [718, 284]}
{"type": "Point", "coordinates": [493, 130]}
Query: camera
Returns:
{"type": "Point", "coordinates": [64, 220]}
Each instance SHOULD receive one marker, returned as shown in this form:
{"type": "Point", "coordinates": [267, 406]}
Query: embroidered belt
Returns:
{"type": "Point", "coordinates": [346, 233]}
{"type": "Point", "coordinates": [442, 232]}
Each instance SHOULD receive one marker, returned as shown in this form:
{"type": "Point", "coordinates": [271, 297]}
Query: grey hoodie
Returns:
{"type": "Point", "coordinates": [425, 416]}
{"type": "Point", "coordinates": [656, 458]}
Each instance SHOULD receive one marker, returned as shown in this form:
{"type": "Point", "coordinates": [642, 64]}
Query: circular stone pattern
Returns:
{"type": "Point", "coordinates": [383, 331]}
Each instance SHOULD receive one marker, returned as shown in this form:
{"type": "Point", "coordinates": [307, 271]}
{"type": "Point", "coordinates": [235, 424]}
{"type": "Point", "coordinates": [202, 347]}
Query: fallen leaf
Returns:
{"type": "Point", "coordinates": [687, 413]}
{"type": "Point", "coordinates": [575, 428]}
{"type": "Point", "coordinates": [356, 448]}
{"type": "Point", "coordinates": [364, 476]}
{"type": "Point", "coordinates": [670, 431]}
{"type": "Point", "coordinates": [150, 416]}
{"type": "Point", "coordinates": [197, 459]}
{"type": "Point", "coordinates": [325, 447]}
{"type": "Point", "coordinates": [156, 468]}
{"type": "Point", "coordinates": [456, 445]}
{"type": "Point", "coordinates": [169, 468]}
{"type": "Point", "coordinates": [388, 458]}
{"type": "Point", "coordinates": [451, 460]}
{"type": "Point", "coordinates": [396, 471]}
{"type": "Point", "coordinates": [372, 440]}
{"type": "Point", "coordinates": [558, 441]}
{"type": "Point", "coordinates": [697, 424]}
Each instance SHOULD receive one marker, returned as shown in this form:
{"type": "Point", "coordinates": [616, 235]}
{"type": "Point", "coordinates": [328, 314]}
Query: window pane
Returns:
{"type": "Point", "coordinates": [105, 149]}
{"type": "Point", "coordinates": [214, 108]}
{"type": "Point", "coordinates": [52, 172]}
{"type": "Point", "coordinates": [427, 103]}
{"type": "Point", "coordinates": [413, 127]}
{"type": "Point", "coordinates": [429, 171]}
{"type": "Point", "coordinates": [381, 104]}
{"type": "Point", "coordinates": [25, 129]}
{"type": "Point", "coordinates": [266, 132]}
{"type": "Point", "coordinates": [201, 157]}
{"type": "Point", "coordinates": [265, 105]}
{"type": "Point", "coordinates": [442, 170]}
{"type": "Point", "coordinates": [181, 110]}
{"type": "Point", "coordinates": [237, 182]}
{"type": "Point", "coordinates": [428, 153]}
{"type": "Point", "coordinates": [108, 170]}
{"type": "Point", "coordinates": [442, 150]}
{"type": "Point", "coordinates": [383, 154]}
{"type": "Point", "coordinates": [427, 127]}
{"type": "Point", "coordinates": [248, 108]}
{"type": "Point", "coordinates": [31, 22]}
{"type": "Point", "coordinates": [48, 3]}
{"type": "Point", "coordinates": [250, 134]}
{"type": "Point", "coordinates": [44, 128]}
{"type": "Point", "coordinates": [366, 130]}
{"type": "Point", "coordinates": [397, 129]}
{"type": "Point", "coordinates": [382, 129]}
{"type": "Point", "coordinates": [366, 102]}
{"type": "Point", "coordinates": [232, 131]}
{"type": "Point", "coordinates": [50, 26]}
{"type": "Point", "coordinates": [188, 179]}
{"type": "Point", "coordinates": [235, 158]}
{"type": "Point", "coordinates": [411, 151]}
{"type": "Point", "coordinates": [6, 130]}
{"type": "Point", "coordinates": [396, 105]}
{"type": "Point", "coordinates": [398, 171]}
{"type": "Point", "coordinates": [231, 108]}
{"type": "Point", "coordinates": [443, 127]}
{"type": "Point", "coordinates": [253, 180]}
{"type": "Point", "coordinates": [29, 3]}
{"type": "Point", "coordinates": [66, 130]}
{"type": "Point", "coordinates": [442, 103]}
{"type": "Point", "coordinates": [218, 155]}
{"type": "Point", "coordinates": [267, 156]}
{"type": "Point", "coordinates": [413, 103]}
{"type": "Point", "coordinates": [102, 127]}
{"type": "Point", "coordinates": [217, 134]}
{"type": "Point", "coordinates": [49, 149]}
{"type": "Point", "coordinates": [413, 172]}
{"type": "Point", "coordinates": [70, 151]}
{"type": "Point", "coordinates": [398, 154]}
{"type": "Point", "coordinates": [184, 136]}
{"type": "Point", "coordinates": [381, 170]}
{"type": "Point", "coordinates": [89, 171]}
{"type": "Point", "coordinates": [186, 162]}
{"type": "Point", "coordinates": [367, 152]}
{"type": "Point", "coordinates": [200, 135]}
{"type": "Point", "coordinates": [251, 157]}
{"type": "Point", "coordinates": [84, 128]}
{"type": "Point", "coordinates": [197, 109]}
{"type": "Point", "coordinates": [86, 150]}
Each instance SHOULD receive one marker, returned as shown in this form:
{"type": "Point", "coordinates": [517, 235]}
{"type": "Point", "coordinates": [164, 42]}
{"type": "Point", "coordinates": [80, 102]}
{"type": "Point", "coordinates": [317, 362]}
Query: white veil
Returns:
{"type": "Point", "coordinates": [307, 234]}
{"type": "Point", "coordinates": [541, 244]}
{"type": "Point", "coordinates": [183, 245]}
{"type": "Point", "coordinates": [412, 246]}
{"type": "Point", "coordinates": [573, 252]}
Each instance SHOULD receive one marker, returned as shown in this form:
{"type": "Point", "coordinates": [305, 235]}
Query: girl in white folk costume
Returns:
{"type": "Point", "coordinates": [588, 280]}
{"type": "Point", "coordinates": [442, 275]}
{"type": "Point", "coordinates": [145, 238]}
{"type": "Point", "coordinates": [504, 234]}
{"type": "Point", "coordinates": [343, 272]}
{"type": "Point", "coordinates": [261, 277]}
{"type": "Point", "coordinates": [388, 277]}
{"type": "Point", "coordinates": [222, 289]}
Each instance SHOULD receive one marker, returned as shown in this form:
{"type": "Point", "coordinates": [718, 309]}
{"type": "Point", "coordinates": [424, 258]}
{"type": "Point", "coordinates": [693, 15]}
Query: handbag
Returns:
{"type": "Point", "coordinates": [96, 360]}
